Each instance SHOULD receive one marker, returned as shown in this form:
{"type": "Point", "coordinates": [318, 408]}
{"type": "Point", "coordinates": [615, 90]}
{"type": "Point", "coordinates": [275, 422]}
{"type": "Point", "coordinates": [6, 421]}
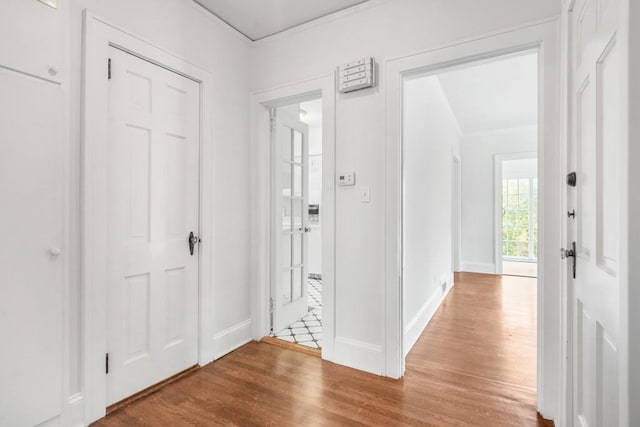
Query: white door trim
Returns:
{"type": "Point", "coordinates": [456, 213]}
{"type": "Point", "coordinates": [544, 37]}
{"type": "Point", "coordinates": [497, 199]}
{"type": "Point", "coordinates": [98, 36]}
{"type": "Point", "coordinates": [261, 101]}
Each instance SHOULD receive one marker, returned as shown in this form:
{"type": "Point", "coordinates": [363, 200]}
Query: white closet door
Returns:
{"type": "Point", "coordinates": [153, 207]}
{"type": "Point", "coordinates": [32, 252]}
{"type": "Point", "coordinates": [596, 72]}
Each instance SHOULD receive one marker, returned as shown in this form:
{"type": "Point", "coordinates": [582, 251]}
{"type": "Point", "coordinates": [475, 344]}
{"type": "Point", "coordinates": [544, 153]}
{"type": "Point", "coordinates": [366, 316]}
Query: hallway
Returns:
{"type": "Point", "coordinates": [475, 364]}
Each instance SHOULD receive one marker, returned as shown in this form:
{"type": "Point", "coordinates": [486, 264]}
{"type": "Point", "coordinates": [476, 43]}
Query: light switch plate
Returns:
{"type": "Point", "coordinates": [365, 195]}
{"type": "Point", "coordinates": [52, 3]}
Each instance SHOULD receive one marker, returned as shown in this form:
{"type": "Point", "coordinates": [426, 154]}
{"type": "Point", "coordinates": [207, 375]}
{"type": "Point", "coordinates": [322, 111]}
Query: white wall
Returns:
{"type": "Point", "coordinates": [478, 188]}
{"type": "Point", "coordinates": [431, 135]}
{"type": "Point", "coordinates": [383, 29]}
{"type": "Point", "coordinates": [520, 168]}
{"type": "Point", "coordinates": [183, 28]}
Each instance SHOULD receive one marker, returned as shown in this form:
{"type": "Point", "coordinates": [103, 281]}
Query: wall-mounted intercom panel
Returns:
{"type": "Point", "coordinates": [356, 75]}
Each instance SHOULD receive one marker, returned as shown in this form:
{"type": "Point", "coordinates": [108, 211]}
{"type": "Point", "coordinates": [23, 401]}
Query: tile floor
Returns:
{"type": "Point", "coordinates": [308, 330]}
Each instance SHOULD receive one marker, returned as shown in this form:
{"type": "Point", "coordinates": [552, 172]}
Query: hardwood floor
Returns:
{"type": "Point", "coordinates": [474, 365]}
{"type": "Point", "coordinates": [292, 346]}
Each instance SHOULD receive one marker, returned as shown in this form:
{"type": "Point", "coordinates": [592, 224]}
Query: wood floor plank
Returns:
{"type": "Point", "coordinates": [474, 365]}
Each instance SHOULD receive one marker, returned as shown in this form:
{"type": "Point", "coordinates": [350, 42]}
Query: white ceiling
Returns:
{"type": "Point", "coordinates": [257, 19]}
{"type": "Point", "coordinates": [494, 95]}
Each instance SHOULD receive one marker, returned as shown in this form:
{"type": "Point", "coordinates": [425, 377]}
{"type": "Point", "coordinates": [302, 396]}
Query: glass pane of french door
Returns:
{"type": "Point", "coordinates": [293, 193]}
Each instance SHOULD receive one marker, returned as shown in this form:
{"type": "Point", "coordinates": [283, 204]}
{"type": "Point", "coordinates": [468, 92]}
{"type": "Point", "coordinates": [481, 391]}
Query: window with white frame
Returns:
{"type": "Point", "coordinates": [520, 218]}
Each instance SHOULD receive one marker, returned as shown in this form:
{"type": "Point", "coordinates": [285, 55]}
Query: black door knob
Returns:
{"type": "Point", "coordinates": [192, 240]}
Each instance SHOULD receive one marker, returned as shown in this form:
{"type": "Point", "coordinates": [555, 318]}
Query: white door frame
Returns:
{"type": "Point", "coordinates": [456, 213]}
{"type": "Point", "coordinates": [99, 35]}
{"type": "Point", "coordinates": [497, 198]}
{"type": "Point", "coordinates": [629, 315]}
{"type": "Point", "coordinates": [321, 87]}
{"type": "Point", "coordinates": [543, 36]}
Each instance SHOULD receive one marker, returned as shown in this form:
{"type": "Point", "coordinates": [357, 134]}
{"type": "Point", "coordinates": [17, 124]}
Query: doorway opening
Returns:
{"type": "Point", "coordinates": [296, 283]}
{"type": "Point", "coordinates": [470, 138]}
{"type": "Point", "coordinates": [517, 199]}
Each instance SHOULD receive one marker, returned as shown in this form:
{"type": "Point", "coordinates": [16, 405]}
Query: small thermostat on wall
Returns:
{"type": "Point", "coordinates": [356, 75]}
{"type": "Point", "coordinates": [347, 179]}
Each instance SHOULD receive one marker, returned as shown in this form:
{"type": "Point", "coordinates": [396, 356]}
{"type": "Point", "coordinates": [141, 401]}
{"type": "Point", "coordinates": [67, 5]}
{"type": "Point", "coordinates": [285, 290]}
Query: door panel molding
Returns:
{"type": "Point", "coordinates": [152, 297]}
{"type": "Point", "coordinates": [99, 36]}
{"type": "Point", "coordinates": [596, 113]}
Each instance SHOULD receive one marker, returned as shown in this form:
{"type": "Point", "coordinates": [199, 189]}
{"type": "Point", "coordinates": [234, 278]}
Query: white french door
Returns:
{"type": "Point", "coordinates": [596, 75]}
{"type": "Point", "coordinates": [152, 304]}
{"type": "Point", "coordinates": [290, 218]}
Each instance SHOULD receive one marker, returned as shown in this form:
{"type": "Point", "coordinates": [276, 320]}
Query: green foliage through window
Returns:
{"type": "Point", "coordinates": [520, 218]}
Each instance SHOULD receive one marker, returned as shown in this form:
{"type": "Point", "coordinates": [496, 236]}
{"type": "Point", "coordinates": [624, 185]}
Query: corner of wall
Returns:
{"type": "Point", "coordinates": [232, 338]}
{"type": "Point", "coordinates": [72, 414]}
{"type": "Point", "coordinates": [419, 322]}
{"type": "Point", "coordinates": [359, 355]}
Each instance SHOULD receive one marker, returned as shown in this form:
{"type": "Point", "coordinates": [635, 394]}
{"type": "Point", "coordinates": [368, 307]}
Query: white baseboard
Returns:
{"type": "Point", "coordinates": [72, 414]}
{"type": "Point", "coordinates": [226, 341]}
{"type": "Point", "coordinates": [416, 325]}
{"type": "Point", "coordinates": [359, 355]}
{"type": "Point", "coordinates": [478, 267]}
{"type": "Point", "coordinates": [53, 422]}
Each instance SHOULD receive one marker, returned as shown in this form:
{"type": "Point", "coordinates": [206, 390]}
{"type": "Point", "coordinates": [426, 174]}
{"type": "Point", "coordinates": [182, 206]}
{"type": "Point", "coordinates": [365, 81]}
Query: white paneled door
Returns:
{"type": "Point", "coordinates": [32, 253]}
{"type": "Point", "coordinates": [595, 153]}
{"type": "Point", "coordinates": [290, 227]}
{"type": "Point", "coordinates": [153, 208]}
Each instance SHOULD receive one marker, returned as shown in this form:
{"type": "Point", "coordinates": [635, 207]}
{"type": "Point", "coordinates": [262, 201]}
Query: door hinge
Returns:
{"type": "Point", "coordinates": [272, 118]}
{"type": "Point", "coordinates": [271, 314]}
{"type": "Point", "coordinates": [109, 69]}
{"type": "Point", "coordinates": [106, 363]}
